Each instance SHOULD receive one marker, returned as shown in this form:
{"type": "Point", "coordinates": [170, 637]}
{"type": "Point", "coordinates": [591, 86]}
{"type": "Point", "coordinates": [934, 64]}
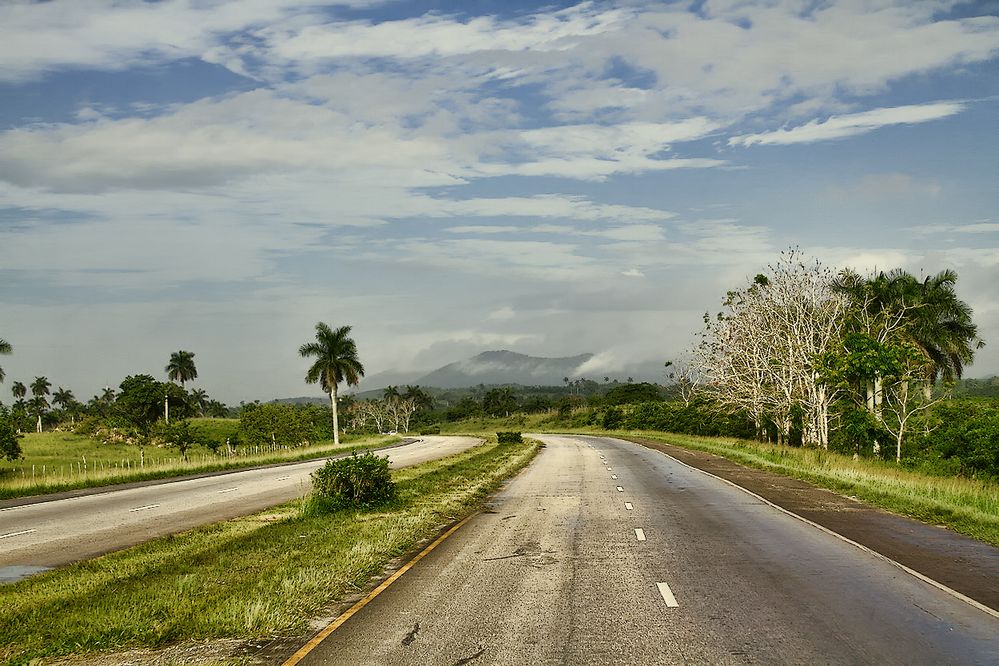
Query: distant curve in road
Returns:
{"type": "Point", "coordinates": [54, 533]}
{"type": "Point", "coordinates": [604, 552]}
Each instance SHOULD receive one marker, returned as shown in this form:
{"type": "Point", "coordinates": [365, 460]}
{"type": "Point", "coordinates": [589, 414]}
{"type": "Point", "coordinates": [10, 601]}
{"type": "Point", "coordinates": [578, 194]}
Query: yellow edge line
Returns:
{"type": "Point", "coordinates": [333, 626]}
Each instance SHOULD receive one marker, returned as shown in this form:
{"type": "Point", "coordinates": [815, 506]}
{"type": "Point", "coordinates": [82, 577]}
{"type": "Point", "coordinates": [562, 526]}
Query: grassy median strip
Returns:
{"type": "Point", "coordinates": [967, 506]}
{"type": "Point", "coordinates": [54, 462]}
{"type": "Point", "coordinates": [263, 575]}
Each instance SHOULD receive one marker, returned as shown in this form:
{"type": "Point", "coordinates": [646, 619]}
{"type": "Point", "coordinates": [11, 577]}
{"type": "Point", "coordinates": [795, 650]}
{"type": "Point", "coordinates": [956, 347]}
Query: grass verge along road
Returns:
{"type": "Point", "coordinates": [264, 575]}
{"type": "Point", "coordinates": [58, 461]}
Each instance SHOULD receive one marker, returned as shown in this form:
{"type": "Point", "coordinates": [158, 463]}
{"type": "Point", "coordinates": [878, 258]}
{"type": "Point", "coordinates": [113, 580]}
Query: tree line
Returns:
{"type": "Point", "coordinates": [804, 350]}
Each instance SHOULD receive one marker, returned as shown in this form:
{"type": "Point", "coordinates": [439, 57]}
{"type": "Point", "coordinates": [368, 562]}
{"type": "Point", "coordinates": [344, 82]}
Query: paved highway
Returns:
{"type": "Point", "coordinates": [604, 552]}
{"type": "Point", "coordinates": [54, 533]}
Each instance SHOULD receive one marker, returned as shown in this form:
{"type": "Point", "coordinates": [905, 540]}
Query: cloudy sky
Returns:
{"type": "Point", "coordinates": [451, 177]}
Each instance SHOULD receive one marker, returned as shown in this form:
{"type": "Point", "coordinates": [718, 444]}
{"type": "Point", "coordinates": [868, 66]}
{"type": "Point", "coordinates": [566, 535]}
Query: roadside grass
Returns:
{"type": "Point", "coordinates": [57, 461]}
{"type": "Point", "coordinates": [967, 506]}
{"type": "Point", "coordinates": [263, 575]}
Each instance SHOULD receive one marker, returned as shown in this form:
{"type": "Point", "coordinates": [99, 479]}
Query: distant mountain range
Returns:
{"type": "Point", "coordinates": [499, 367]}
{"type": "Point", "coordinates": [504, 367]}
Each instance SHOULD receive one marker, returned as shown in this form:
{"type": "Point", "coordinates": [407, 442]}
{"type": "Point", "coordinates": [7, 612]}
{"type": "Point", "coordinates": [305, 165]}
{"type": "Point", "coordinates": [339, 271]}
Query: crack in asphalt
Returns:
{"type": "Point", "coordinates": [411, 636]}
{"type": "Point", "coordinates": [465, 660]}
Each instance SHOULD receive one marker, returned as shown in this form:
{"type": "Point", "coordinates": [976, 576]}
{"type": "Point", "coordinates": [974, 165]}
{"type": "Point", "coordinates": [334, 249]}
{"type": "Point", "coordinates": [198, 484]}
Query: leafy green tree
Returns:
{"type": "Point", "coordinates": [499, 402]}
{"type": "Point", "coordinates": [19, 390]}
{"type": "Point", "coordinates": [336, 361]}
{"type": "Point", "coordinates": [180, 435]}
{"type": "Point", "coordinates": [633, 393]}
{"type": "Point", "coordinates": [5, 348]}
{"type": "Point", "coordinates": [390, 392]}
{"type": "Point", "coordinates": [10, 447]}
{"type": "Point", "coordinates": [141, 399]}
{"type": "Point", "coordinates": [181, 367]}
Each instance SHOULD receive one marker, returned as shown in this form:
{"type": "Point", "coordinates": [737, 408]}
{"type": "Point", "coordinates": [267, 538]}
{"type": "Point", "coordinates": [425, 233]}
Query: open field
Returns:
{"type": "Point", "coordinates": [56, 461]}
{"type": "Point", "coordinates": [264, 575]}
{"type": "Point", "coordinates": [967, 506]}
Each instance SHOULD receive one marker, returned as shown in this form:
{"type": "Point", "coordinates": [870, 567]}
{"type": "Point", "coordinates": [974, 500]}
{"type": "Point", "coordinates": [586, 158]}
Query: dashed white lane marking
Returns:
{"type": "Point", "coordinates": [667, 595]}
{"type": "Point", "coordinates": [620, 489]}
{"type": "Point", "coordinates": [614, 476]}
{"type": "Point", "coordinates": [282, 478]}
{"type": "Point", "coordinates": [143, 508]}
{"type": "Point", "coordinates": [14, 534]}
{"type": "Point", "coordinates": [227, 490]}
{"type": "Point", "coordinates": [629, 506]}
{"type": "Point", "coordinates": [640, 534]}
{"type": "Point", "coordinates": [10, 508]}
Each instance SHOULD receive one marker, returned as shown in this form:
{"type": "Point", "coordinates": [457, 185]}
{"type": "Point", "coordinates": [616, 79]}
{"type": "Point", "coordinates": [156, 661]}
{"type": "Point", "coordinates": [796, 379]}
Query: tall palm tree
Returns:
{"type": "Point", "coordinates": [390, 392]}
{"type": "Point", "coordinates": [181, 367]}
{"type": "Point", "coordinates": [336, 361]}
{"type": "Point", "coordinates": [942, 327]}
{"type": "Point", "coordinates": [5, 348]}
{"type": "Point", "coordinates": [63, 397]}
{"type": "Point", "coordinates": [200, 397]}
{"type": "Point", "coordinates": [39, 389]}
{"type": "Point", "coordinates": [19, 390]}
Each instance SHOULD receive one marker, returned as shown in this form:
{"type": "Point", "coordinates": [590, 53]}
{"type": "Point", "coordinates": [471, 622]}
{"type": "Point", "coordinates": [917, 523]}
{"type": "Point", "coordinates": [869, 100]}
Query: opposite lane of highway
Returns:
{"type": "Point", "coordinates": [58, 532]}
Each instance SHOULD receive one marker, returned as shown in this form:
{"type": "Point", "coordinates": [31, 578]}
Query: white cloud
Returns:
{"type": "Point", "coordinates": [544, 206]}
{"type": "Point", "coordinates": [633, 272]}
{"type": "Point", "coordinates": [837, 127]}
{"type": "Point", "coordinates": [505, 313]}
{"type": "Point", "coordinates": [984, 227]}
{"type": "Point", "coordinates": [105, 34]}
{"type": "Point", "coordinates": [433, 35]}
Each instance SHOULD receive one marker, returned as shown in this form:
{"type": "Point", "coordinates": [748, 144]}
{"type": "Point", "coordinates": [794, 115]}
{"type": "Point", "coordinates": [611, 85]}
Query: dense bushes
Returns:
{"type": "Point", "coordinates": [693, 419]}
{"type": "Point", "coordinates": [959, 436]}
{"type": "Point", "coordinates": [509, 438]}
{"type": "Point", "coordinates": [356, 482]}
{"type": "Point", "coordinates": [284, 425]}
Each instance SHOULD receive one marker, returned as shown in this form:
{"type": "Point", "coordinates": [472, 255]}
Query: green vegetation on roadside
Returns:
{"type": "Point", "coordinates": [263, 575]}
{"type": "Point", "coordinates": [58, 461]}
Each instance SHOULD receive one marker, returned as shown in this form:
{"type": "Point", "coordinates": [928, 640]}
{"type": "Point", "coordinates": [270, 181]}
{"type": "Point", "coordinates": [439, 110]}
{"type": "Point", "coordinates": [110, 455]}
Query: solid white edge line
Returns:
{"type": "Point", "coordinates": [14, 534]}
{"type": "Point", "coordinates": [926, 579]}
{"type": "Point", "coordinates": [667, 595]}
{"type": "Point", "coordinates": [629, 506]}
{"type": "Point", "coordinates": [640, 534]}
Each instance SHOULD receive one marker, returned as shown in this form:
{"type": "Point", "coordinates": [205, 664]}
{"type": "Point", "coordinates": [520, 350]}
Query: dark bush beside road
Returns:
{"type": "Point", "coordinates": [358, 482]}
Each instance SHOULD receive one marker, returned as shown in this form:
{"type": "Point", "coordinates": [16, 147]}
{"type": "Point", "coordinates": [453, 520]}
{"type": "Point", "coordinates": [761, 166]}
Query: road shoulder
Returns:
{"type": "Point", "coordinates": [963, 564]}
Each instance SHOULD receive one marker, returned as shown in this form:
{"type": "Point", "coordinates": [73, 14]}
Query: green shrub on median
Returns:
{"type": "Point", "coordinates": [360, 481]}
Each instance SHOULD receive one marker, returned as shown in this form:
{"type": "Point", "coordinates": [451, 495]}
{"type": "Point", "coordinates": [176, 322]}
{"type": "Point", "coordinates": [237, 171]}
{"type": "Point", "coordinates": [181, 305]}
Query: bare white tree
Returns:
{"type": "Point", "coordinates": [761, 354]}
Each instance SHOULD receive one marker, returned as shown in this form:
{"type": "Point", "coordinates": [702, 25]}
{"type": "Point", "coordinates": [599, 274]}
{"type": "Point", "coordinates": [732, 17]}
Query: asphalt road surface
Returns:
{"type": "Point", "coordinates": [604, 552]}
{"type": "Point", "coordinates": [54, 533]}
